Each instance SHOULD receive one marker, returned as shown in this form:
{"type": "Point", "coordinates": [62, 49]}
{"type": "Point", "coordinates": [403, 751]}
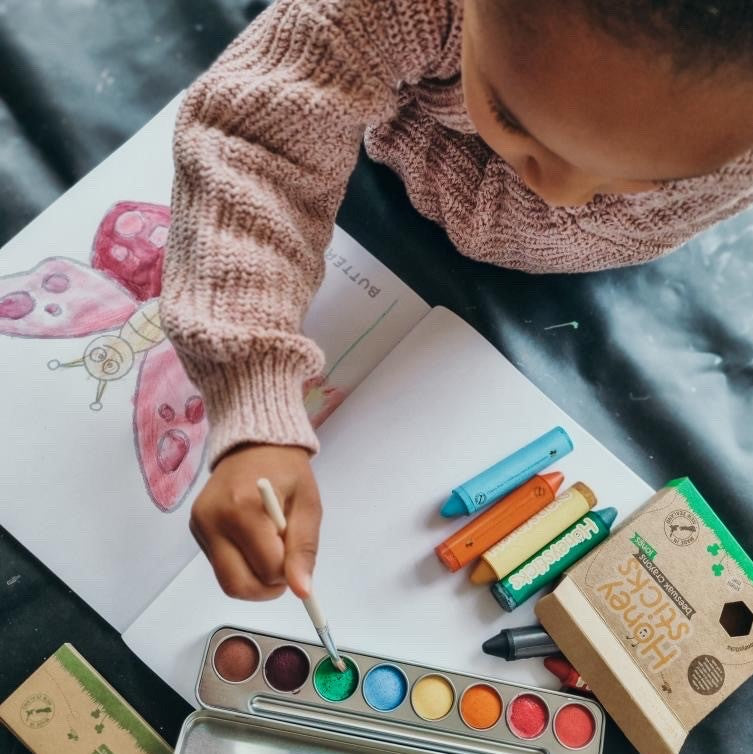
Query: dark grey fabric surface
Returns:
{"type": "Point", "coordinates": [659, 367]}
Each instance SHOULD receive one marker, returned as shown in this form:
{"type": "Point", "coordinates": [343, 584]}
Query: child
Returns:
{"type": "Point", "coordinates": [544, 136]}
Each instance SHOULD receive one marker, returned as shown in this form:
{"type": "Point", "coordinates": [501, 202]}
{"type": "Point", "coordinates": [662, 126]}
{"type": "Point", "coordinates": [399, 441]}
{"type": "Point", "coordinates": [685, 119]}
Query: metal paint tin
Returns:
{"type": "Point", "coordinates": [253, 716]}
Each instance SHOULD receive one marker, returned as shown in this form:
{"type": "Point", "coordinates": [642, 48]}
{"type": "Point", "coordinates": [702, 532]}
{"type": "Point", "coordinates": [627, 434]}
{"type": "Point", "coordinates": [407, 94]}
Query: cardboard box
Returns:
{"type": "Point", "coordinates": [66, 707]}
{"type": "Point", "coordinates": [658, 619]}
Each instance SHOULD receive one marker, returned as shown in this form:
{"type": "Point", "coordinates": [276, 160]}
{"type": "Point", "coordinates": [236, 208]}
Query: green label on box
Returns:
{"type": "Point", "coordinates": [643, 546]}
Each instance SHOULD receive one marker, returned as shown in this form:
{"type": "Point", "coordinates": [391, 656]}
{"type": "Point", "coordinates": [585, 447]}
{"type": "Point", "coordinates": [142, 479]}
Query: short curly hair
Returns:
{"type": "Point", "coordinates": [695, 34]}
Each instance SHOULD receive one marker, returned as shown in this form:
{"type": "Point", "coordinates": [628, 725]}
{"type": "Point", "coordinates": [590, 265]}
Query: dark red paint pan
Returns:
{"type": "Point", "coordinates": [287, 668]}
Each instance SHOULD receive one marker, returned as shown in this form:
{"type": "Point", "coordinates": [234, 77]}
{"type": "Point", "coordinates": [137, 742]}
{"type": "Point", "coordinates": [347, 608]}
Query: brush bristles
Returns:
{"type": "Point", "coordinates": [340, 665]}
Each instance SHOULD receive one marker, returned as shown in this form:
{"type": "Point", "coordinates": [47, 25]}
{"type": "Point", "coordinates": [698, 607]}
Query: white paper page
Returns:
{"type": "Point", "coordinates": [81, 488]}
{"type": "Point", "coordinates": [358, 315]}
{"type": "Point", "coordinates": [441, 407]}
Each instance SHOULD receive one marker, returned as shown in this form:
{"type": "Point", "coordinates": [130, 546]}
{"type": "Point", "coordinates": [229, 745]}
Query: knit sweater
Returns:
{"type": "Point", "coordinates": [265, 142]}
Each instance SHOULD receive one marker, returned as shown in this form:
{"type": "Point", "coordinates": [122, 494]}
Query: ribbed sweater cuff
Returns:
{"type": "Point", "coordinates": [259, 401]}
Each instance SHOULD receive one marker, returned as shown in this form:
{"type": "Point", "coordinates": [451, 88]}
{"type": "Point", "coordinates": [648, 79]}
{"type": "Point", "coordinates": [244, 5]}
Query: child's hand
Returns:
{"type": "Point", "coordinates": [228, 520]}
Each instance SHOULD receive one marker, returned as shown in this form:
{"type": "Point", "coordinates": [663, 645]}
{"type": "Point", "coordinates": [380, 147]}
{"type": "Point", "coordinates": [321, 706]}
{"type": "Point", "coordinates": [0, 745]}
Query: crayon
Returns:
{"type": "Point", "coordinates": [496, 523]}
{"type": "Point", "coordinates": [552, 560]}
{"type": "Point", "coordinates": [521, 643]}
{"type": "Point", "coordinates": [503, 477]}
{"type": "Point", "coordinates": [569, 677]}
{"type": "Point", "coordinates": [529, 538]}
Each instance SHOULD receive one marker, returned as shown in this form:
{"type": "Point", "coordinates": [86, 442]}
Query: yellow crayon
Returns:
{"type": "Point", "coordinates": [538, 531]}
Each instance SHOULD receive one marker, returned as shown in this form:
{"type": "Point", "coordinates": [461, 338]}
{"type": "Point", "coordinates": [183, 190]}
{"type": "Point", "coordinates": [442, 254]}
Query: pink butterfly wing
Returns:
{"type": "Point", "coordinates": [170, 427]}
{"type": "Point", "coordinates": [61, 298]}
{"type": "Point", "coordinates": [130, 244]}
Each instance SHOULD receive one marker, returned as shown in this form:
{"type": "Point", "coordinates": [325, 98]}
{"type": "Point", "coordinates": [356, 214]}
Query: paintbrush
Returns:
{"type": "Point", "coordinates": [274, 510]}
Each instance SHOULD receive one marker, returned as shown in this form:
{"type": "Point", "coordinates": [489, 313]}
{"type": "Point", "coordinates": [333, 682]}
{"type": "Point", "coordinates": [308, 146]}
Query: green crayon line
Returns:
{"type": "Point", "coordinates": [363, 335]}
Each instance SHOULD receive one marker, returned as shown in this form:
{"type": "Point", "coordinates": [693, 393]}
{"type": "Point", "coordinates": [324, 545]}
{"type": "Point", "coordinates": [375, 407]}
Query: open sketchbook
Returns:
{"type": "Point", "coordinates": [102, 458]}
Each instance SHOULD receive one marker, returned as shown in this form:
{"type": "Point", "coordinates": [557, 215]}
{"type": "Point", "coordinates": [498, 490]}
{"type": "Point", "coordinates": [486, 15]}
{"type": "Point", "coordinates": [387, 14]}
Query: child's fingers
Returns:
{"type": "Point", "coordinates": [302, 541]}
{"type": "Point", "coordinates": [198, 535]}
{"type": "Point", "coordinates": [251, 560]}
{"type": "Point", "coordinates": [256, 537]}
{"type": "Point", "coordinates": [234, 575]}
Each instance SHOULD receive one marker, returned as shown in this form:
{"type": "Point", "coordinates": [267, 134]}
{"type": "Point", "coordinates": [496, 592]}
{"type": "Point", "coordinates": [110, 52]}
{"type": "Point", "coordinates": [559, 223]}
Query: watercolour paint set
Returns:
{"type": "Point", "coordinates": [255, 688]}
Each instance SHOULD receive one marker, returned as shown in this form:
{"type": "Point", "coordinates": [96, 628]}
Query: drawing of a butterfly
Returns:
{"type": "Point", "coordinates": [62, 298]}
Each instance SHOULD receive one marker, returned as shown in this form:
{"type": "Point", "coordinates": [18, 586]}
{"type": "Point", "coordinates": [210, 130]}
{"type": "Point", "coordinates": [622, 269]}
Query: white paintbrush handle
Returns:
{"type": "Point", "coordinates": [274, 511]}
{"type": "Point", "coordinates": [315, 612]}
{"type": "Point", "coordinates": [272, 504]}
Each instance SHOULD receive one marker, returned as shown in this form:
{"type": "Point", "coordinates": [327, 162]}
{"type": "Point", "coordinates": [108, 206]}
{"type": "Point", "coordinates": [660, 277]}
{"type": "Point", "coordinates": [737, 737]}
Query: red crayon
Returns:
{"type": "Point", "coordinates": [568, 675]}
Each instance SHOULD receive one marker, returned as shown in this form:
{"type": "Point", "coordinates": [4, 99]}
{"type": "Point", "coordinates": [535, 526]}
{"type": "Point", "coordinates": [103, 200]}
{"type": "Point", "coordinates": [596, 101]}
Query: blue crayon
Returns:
{"type": "Point", "coordinates": [509, 473]}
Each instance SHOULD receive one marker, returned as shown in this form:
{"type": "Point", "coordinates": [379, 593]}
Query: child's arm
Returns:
{"type": "Point", "coordinates": [264, 145]}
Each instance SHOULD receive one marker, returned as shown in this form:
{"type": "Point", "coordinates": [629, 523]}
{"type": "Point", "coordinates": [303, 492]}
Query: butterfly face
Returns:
{"type": "Point", "coordinates": [108, 357]}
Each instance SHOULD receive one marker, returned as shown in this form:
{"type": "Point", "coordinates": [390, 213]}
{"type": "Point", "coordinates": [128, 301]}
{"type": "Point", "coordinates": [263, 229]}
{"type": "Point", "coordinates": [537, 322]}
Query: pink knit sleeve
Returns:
{"type": "Point", "coordinates": [264, 144]}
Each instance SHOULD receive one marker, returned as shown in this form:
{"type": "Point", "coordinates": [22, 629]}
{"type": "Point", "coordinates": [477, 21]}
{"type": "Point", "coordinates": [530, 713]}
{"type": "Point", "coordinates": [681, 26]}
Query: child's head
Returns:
{"type": "Point", "coordinates": [609, 96]}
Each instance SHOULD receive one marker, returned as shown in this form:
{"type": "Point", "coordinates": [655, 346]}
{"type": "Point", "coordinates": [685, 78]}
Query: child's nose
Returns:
{"type": "Point", "coordinates": [556, 182]}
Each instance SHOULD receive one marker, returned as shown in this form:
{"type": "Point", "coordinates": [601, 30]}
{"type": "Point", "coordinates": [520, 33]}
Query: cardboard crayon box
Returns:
{"type": "Point", "coordinates": [658, 619]}
{"type": "Point", "coordinates": [66, 707]}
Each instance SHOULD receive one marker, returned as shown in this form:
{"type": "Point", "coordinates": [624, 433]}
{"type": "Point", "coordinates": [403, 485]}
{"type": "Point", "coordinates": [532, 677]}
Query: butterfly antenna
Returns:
{"type": "Point", "coordinates": [54, 364]}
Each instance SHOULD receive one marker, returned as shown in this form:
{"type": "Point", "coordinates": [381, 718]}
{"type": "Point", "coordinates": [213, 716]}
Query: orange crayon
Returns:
{"type": "Point", "coordinates": [496, 523]}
